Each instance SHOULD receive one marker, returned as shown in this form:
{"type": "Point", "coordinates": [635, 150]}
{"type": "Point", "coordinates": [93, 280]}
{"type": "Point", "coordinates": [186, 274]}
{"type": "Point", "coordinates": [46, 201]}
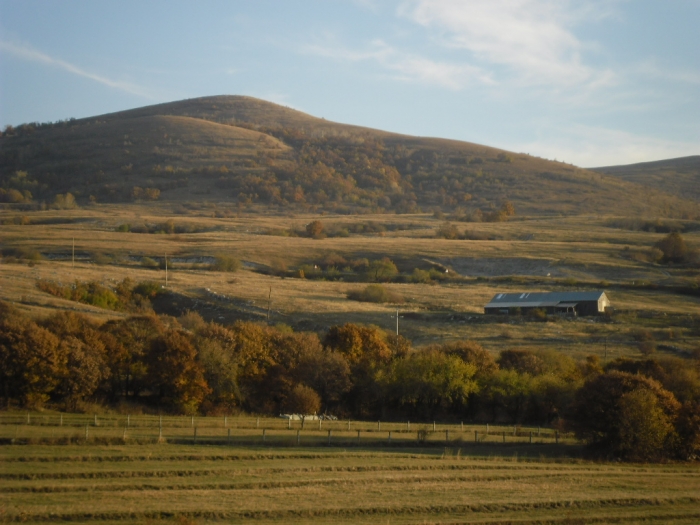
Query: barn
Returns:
{"type": "Point", "coordinates": [568, 303]}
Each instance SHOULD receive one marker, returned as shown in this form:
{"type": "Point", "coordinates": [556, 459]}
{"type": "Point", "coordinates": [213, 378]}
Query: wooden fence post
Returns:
{"type": "Point", "coordinates": [476, 436]}
{"type": "Point", "coordinates": [433, 426]}
{"type": "Point", "coordinates": [319, 424]}
{"type": "Point", "coordinates": [298, 438]}
{"type": "Point", "coordinates": [263, 435]}
{"type": "Point", "coordinates": [358, 437]}
{"type": "Point", "coordinates": [530, 436]}
{"type": "Point", "coordinates": [379, 426]}
{"type": "Point", "coordinates": [408, 426]}
{"type": "Point", "coordinates": [390, 436]}
{"type": "Point", "coordinates": [86, 432]}
{"type": "Point", "coordinates": [556, 436]}
{"type": "Point", "coordinates": [447, 436]}
{"type": "Point", "coordinates": [329, 436]}
{"type": "Point", "coordinates": [504, 437]}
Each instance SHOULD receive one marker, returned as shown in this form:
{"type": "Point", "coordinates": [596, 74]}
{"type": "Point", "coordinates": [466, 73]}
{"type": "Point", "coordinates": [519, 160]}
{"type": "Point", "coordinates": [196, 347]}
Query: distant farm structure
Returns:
{"type": "Point", "coordinates": [567, 303]}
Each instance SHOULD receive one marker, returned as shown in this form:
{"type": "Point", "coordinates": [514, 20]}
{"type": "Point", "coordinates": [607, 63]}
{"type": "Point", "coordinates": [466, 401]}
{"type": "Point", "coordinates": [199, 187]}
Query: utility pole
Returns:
{"type": "Point", "coordinates": [269, 304]}
{"type": "Point", "coordinates": [397, 324]}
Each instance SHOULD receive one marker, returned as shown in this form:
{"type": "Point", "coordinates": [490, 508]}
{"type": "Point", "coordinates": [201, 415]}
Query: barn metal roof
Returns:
{"type": "Point", "coordinates": [541, 299]}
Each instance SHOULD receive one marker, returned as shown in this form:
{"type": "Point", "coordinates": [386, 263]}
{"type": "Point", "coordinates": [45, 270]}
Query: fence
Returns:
{"type": "Point", "coordinates": [226, 430]}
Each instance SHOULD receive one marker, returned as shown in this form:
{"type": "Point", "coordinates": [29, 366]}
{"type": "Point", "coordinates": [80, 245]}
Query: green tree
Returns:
{"type": "Point", "coordinates": [382, 270]}
{"type": "Point", "coordinates": [644, 427]}
{"type": "Point", "coordinates": [508, 391]}
{"type": "Point", "coordinates": [427, 382]}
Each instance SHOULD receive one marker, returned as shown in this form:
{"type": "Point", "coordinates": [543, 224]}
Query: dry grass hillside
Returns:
{"type": "Point", "coordinates": [541, 254]}
{"type": "Point", "coordinates": [679, 176]}
{"type": "Point", "coordinates": [249, 152]}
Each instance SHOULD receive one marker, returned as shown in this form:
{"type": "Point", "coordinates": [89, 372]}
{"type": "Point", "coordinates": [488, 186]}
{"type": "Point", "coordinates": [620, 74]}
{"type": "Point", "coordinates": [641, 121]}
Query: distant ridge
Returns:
{"type": "Point", "coordinates": [679, 176]}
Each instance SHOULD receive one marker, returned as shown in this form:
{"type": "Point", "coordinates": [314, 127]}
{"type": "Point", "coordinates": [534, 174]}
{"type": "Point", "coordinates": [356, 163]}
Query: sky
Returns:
{"type": "Point", "coordinates": [589, 82]}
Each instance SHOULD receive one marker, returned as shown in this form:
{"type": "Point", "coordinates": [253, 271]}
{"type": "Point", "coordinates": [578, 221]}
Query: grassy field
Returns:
{"type": "Point", "coordinates": [369, 483]}
{"type": "Point", "coordinates": [529, 254]}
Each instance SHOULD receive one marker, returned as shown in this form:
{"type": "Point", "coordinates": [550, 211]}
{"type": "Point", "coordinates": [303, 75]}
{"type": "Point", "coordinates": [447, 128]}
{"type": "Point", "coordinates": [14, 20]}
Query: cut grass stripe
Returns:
{"type": "Point", "coordinates": [486, 508]}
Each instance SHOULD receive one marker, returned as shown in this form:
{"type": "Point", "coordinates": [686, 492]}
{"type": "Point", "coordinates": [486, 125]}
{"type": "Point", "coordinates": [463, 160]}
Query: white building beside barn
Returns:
{"type": "Point", "coordinates": [571, 303]}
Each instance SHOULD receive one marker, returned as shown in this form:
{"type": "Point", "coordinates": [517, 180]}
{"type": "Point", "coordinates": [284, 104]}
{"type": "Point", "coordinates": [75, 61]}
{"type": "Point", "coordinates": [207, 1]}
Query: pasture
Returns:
{"type": "Point", "coordinates": [139, 476]}
{"type": "Point", "coordinates": [527, 254]}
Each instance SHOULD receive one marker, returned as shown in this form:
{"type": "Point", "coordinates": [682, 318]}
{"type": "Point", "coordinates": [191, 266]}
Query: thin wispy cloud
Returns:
{"type": "Point", "coordinates": [592, 146]}
{"type": "Point", "coordinates": [532, 38]}
{"type": "Point", "coordinates": [31, 55]}
{"type": "Point", "coordinates": [405, 66]}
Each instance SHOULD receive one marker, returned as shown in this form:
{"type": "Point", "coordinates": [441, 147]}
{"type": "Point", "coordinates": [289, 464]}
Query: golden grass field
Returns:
{"type": "Point", "coordinates": [574, 251]}
{"type": "Point", "coordinates": [157, 483]}
{"type": "Point", "coordinates": [223, 470]}
{"type": "Point", "coordinates": [114, 477]}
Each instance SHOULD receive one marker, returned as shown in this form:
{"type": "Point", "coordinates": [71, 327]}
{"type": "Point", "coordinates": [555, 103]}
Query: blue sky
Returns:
{"type": "Point", "coordinates": [591, 82]}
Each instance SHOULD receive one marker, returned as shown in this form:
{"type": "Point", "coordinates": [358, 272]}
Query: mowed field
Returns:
{"type": "Point", "coordinates": [219, 484]}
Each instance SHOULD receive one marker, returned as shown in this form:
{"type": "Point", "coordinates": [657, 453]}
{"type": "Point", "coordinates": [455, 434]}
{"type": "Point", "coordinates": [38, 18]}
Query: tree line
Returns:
{"type": "Point", "coordinates": [648, 409]}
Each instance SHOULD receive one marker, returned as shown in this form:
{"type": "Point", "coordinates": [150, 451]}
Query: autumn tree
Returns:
{"type": "Point", "coordinates": [302, 400]}
{"type": "Point", "coordinates": [174, 373]}
{"type": "Point", "coordinates": [359, 344]}
{"type": "Point", "coordinates": [29, 359]}
{"type": "Point", "coordinates": [473, 353]}
{"type": "Point", "coordinates": [624, 415]}
{"type": "Point", "coordinates": [315, 229]}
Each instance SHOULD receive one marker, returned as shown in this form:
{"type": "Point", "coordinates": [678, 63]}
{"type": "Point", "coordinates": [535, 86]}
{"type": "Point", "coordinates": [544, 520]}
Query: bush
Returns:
{"type": "Point", "coordinates": [315, 230]}
{"type": "Point", "coordinates": [147, 262]}
{"type": "Point", "coordinates": [225, 263]}
{"type": "Point", "coordinates": [673, 247]}
{"type": "Point", "coordinates": [374, 293]}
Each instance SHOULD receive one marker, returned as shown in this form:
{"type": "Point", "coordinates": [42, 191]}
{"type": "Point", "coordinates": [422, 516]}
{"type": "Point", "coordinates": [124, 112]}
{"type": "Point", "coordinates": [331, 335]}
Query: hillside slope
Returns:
{"type": "Point", "coordinates": [680, 176]}
{"type": "Point", "coordinates": [246, 151]}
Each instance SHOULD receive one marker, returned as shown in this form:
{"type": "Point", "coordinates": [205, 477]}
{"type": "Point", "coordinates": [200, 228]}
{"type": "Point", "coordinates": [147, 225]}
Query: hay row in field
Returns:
{"type": "Point", "coordinates": [361, 511]}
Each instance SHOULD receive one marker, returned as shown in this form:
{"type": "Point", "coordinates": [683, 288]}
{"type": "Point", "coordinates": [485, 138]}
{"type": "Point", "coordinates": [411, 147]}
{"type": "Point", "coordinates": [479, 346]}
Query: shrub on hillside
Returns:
{"type": "Point", "coordinates": [374, 293]}
{"type": "Point", "coordinates": [225, 263]}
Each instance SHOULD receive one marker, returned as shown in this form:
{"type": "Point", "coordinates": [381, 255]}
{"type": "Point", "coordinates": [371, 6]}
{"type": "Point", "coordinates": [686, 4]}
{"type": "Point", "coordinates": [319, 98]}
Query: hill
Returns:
{"type": "Point", "coordinates": [680, 176]}
{"type": "Point", "coordinates": [249, 152]}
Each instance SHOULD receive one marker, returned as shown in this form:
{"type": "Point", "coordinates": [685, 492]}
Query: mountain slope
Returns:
{"type": "Point", "coordinates": [680, 176]}
{"type": "Point", "coordinates": [247, 151]}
